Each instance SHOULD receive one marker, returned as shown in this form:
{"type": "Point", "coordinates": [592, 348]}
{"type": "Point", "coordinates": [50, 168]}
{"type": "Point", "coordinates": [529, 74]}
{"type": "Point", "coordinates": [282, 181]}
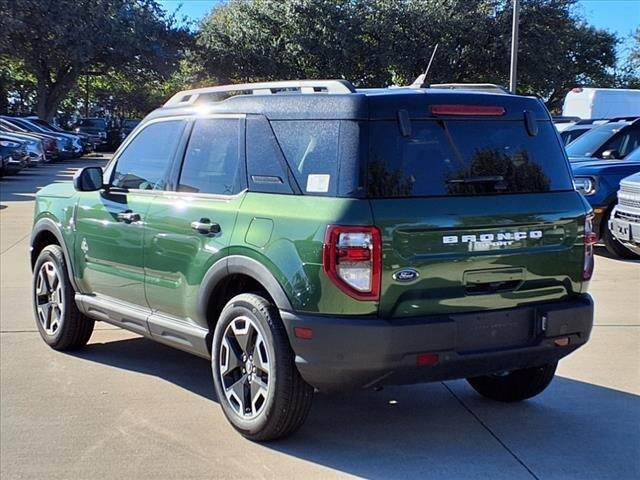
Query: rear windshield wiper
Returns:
{"type": "Point", "coordinates": [481, 179]}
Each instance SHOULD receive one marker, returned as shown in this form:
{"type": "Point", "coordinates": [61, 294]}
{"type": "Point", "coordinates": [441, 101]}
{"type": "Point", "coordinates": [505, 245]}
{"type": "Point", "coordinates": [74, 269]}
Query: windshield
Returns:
{"type": "Point", "coordinates": [587, 144]}
{"type": "Point", "coordinates": [130, 123]}
{"type": "Point", "coordinates": [470, 157]}
{"type": "Point", "coordinates": [635, 155]}
{"type": "Point", "coordinates": [93, 123]}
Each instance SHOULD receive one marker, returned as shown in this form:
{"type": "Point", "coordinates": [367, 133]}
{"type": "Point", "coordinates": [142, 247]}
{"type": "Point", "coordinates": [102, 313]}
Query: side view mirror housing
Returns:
{"type": "Point", "coordinates": [89, 179]}
{"type": "Point", "coordinates": [610, 154]}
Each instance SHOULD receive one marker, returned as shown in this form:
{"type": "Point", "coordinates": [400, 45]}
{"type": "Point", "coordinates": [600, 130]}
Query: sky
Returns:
{"type": "Point", "coordinates": [619, 16]}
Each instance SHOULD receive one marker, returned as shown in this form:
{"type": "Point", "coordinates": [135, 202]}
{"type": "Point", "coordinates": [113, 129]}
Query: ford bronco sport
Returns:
{"type": "Point", "coordinates": [307, 235]}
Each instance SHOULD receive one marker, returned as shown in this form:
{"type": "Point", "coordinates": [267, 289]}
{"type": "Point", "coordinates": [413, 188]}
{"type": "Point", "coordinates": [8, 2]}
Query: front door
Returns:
{"type": "Point", "coordinates": [189, 229]}
{"type": "Point", "coordinates": [110, 224]}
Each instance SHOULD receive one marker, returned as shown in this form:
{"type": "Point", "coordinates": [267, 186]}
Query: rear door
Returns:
{"type": "Point", "coordinates": [475, 214]}
{"type": "Point", "coordinates": [189, 228]}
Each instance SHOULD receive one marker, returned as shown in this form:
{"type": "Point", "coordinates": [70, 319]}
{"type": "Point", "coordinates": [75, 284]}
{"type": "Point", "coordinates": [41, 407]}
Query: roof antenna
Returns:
{"type": "Point", "coordinates": [421, 81]}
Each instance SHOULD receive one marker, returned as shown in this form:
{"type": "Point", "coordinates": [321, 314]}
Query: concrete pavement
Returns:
{"type": "Point", "coordinates": [126, 407]}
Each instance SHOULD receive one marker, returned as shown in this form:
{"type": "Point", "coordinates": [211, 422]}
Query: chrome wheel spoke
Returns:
{"type": "Point", "coordinates": [244, 366]}
{"type": "Point", "coordinates": [49, 298]}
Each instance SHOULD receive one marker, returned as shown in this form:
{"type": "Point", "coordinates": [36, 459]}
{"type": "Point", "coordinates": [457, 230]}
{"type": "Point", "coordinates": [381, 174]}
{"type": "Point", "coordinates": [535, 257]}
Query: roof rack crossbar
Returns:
{"type": "Point", "coordinates": [188, 97]}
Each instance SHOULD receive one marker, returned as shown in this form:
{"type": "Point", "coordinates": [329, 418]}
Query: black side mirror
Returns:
{"type": "Point", "coordinates": [89, 179]}
{"type": "Point", "coordinates": [610, 154]}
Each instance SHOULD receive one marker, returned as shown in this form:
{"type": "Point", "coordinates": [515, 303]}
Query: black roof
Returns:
{"type": "Point", "coordinates": [375, 104]}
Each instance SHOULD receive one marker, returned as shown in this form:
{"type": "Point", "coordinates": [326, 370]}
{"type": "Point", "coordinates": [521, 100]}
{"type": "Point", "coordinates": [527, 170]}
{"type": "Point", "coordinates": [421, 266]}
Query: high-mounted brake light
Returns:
{"type": "Point", "coordinates": [481, 110]}
{"type": "Point", "coordinates": [590, 239]}
{"type": "Point", "coordinates": [351, 258]}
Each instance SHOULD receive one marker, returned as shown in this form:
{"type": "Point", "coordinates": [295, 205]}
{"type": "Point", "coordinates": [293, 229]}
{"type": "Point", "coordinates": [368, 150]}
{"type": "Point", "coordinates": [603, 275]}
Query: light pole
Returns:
{"type": "Point", "coordinates": [513, 73]}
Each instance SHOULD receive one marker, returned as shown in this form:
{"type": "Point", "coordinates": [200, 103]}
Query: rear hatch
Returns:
{"type": "Point", "coordinates": [476, 209]}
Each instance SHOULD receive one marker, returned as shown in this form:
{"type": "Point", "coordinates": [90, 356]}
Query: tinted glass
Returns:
{"type": "Point", "coordinates": [130, 123]}
{"type": "Point", "coordinates": [267, 167]}
{"type": "Point", "coordinates": [623, 143]}
{"type": "Point", "coordinates": [93, 122]}
{"type": "Point", "coordinates": [145, 161]}
{"type": "Point", "coordinates": [212, 161]}
{"type": "Point", "coordinates": [464, 158]}
{"type": "Point", "coordinates": [311, 149]}
{"type": "Point", "coordinates": [590, 142]}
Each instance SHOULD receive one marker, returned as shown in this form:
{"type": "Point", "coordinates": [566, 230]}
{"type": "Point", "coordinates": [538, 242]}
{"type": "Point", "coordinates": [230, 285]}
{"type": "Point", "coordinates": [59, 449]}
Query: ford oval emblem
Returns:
{"type": "Point", "coordinates": [406, 275]}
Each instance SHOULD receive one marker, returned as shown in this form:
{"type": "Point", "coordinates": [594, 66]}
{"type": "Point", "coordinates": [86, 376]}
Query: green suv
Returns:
{"type": "Point", "coordinates": [307, 236]}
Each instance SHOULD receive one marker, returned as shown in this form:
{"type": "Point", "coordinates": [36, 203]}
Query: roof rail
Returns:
{"type": "Point", "coordinates": [188, 97]}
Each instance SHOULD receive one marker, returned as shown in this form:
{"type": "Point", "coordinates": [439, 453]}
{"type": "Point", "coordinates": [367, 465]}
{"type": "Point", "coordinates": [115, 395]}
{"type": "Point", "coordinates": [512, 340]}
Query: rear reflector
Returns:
{"type": "Point", "coordinates": [303, 333]}
{"type": "Point", "coordinates": [482, 110]}
{"type": "Point", "coordinates": [425, 359]}
{"type": "Point", "coordinates": [590, 238]}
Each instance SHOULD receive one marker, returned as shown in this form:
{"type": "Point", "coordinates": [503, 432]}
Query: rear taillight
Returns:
{"type": "Point", "coordinates": [590, 239]}
{"type": "Point", "coordinates": [351, 258]}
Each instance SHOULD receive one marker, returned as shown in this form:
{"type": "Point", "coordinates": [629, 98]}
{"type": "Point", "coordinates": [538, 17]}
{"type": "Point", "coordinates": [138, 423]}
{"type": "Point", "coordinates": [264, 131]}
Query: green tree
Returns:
{"type": "Point", "coordinates": [384, 42]}
{"type": "Point", "coordinates": [58, 41]}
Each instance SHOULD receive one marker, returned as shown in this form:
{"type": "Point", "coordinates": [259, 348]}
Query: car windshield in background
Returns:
{"type": "Point", "coordinates": [587, 144]}
{"type": "Point", "coordinates": [130, 123]}
{"type": "Point", "coordinates": [93, 123]}
{"type": "Point", "coordinates": [465, 158]}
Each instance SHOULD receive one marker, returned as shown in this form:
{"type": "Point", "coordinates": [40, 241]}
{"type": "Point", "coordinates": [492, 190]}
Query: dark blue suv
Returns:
{"type": "Point", "coordinates": [600, 159]}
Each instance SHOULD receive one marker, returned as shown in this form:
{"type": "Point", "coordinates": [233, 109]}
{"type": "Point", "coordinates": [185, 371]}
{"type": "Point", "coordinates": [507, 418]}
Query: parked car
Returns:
{"type": "Point", "coordinates": [599, 181]}
{"type": "Point", "coordinates": [615, 139]}
{"type": "Point", "coordinates": [68, 145]}
{"type": "Point", "coordinates": [127, 126]}
{"type": "Point", "coordinates": [14, 155]}
{"type": "Point", "coordinates": [562, 123]}
{"type": "Point", "coordinates": [310, 235]}
{"type": "Point", "coordinates": [602, 103]}
{"type": "Point", "coordinates": [624, 223]}
{"type": "Point", "coordinates": [49, 142]}
{"type": "Point", "coordinates": [102, 131]}
{"type": "Point", "coordinates": [579, 128]}
{"type": "Point", "coordinates": [88, 142]}
{"type": "Point", "coordinates": [34, 148]}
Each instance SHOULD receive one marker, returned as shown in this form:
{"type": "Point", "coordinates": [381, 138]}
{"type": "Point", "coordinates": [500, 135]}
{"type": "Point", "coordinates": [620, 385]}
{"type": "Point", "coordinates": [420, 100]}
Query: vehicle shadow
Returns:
{"type": "Point", "coordinates": [440, 430]}
{"type": "Point", "coordinates": [601, 251]}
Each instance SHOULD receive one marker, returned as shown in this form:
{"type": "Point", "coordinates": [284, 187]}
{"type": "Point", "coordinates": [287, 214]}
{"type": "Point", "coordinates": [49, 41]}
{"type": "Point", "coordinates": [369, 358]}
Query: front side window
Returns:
{"type": "Point", "coordinates": [212, 160]}
{"type": "Point", "coordinates": [144, 163]}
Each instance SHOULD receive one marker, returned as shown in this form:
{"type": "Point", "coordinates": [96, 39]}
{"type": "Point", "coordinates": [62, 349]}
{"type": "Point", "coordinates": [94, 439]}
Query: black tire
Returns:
{"type": "Point", "coordinates": [289, 399]}
{"type": "Point", "coordinates": [516, 385]}
{"type": "Point", "coordinates": [73, 328]}
{"type": "Point", "coordinates": [611, 243]}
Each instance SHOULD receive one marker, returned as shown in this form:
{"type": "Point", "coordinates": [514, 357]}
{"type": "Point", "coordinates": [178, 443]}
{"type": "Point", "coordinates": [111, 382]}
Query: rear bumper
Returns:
{"type": "Point", "coordinates": [359, 353]}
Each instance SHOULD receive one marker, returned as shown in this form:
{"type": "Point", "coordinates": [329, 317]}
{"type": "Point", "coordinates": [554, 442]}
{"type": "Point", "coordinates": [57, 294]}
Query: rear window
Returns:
{"type": "Point", "coordinates": [464, 157]}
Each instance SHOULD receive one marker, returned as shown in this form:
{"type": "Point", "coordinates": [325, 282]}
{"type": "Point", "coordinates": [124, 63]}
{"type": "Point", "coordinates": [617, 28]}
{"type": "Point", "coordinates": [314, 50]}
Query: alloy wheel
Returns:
{"type": "Point", "coordinates": [49, 298]}
{"type": "Point", "coordinates": [245, 367]}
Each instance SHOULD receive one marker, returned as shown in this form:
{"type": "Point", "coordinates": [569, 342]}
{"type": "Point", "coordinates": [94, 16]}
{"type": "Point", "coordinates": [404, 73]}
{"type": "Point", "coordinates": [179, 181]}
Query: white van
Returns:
{"type": "Point", "coordinates": [601, 103]}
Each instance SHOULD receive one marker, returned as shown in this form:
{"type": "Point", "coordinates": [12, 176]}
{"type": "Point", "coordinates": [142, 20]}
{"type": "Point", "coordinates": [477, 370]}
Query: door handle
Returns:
{"type": "Point", "coordinates": [206, 227]}
{"type": "Point", "coordinates": [128, 216]}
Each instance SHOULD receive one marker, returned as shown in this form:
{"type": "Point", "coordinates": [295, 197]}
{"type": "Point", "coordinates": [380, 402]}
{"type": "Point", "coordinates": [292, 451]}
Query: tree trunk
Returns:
{"type": "Point", "coordinates": [50, 94]}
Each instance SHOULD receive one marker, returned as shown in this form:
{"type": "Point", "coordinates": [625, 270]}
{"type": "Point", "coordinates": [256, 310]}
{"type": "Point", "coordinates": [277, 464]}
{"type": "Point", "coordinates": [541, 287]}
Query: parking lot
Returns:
{"type": "Point", "coordinates": [129, 408]}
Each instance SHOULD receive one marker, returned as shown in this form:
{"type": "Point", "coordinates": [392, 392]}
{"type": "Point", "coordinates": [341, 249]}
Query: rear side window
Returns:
{"type": "Point", "coordinates": [464, 157]}
{"type": "Point", "coordinates": [145, 161]}
{"type": "Point", "coordinates": [212, 160]}
{"type": "Point", "coordinates": [311, 149]}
